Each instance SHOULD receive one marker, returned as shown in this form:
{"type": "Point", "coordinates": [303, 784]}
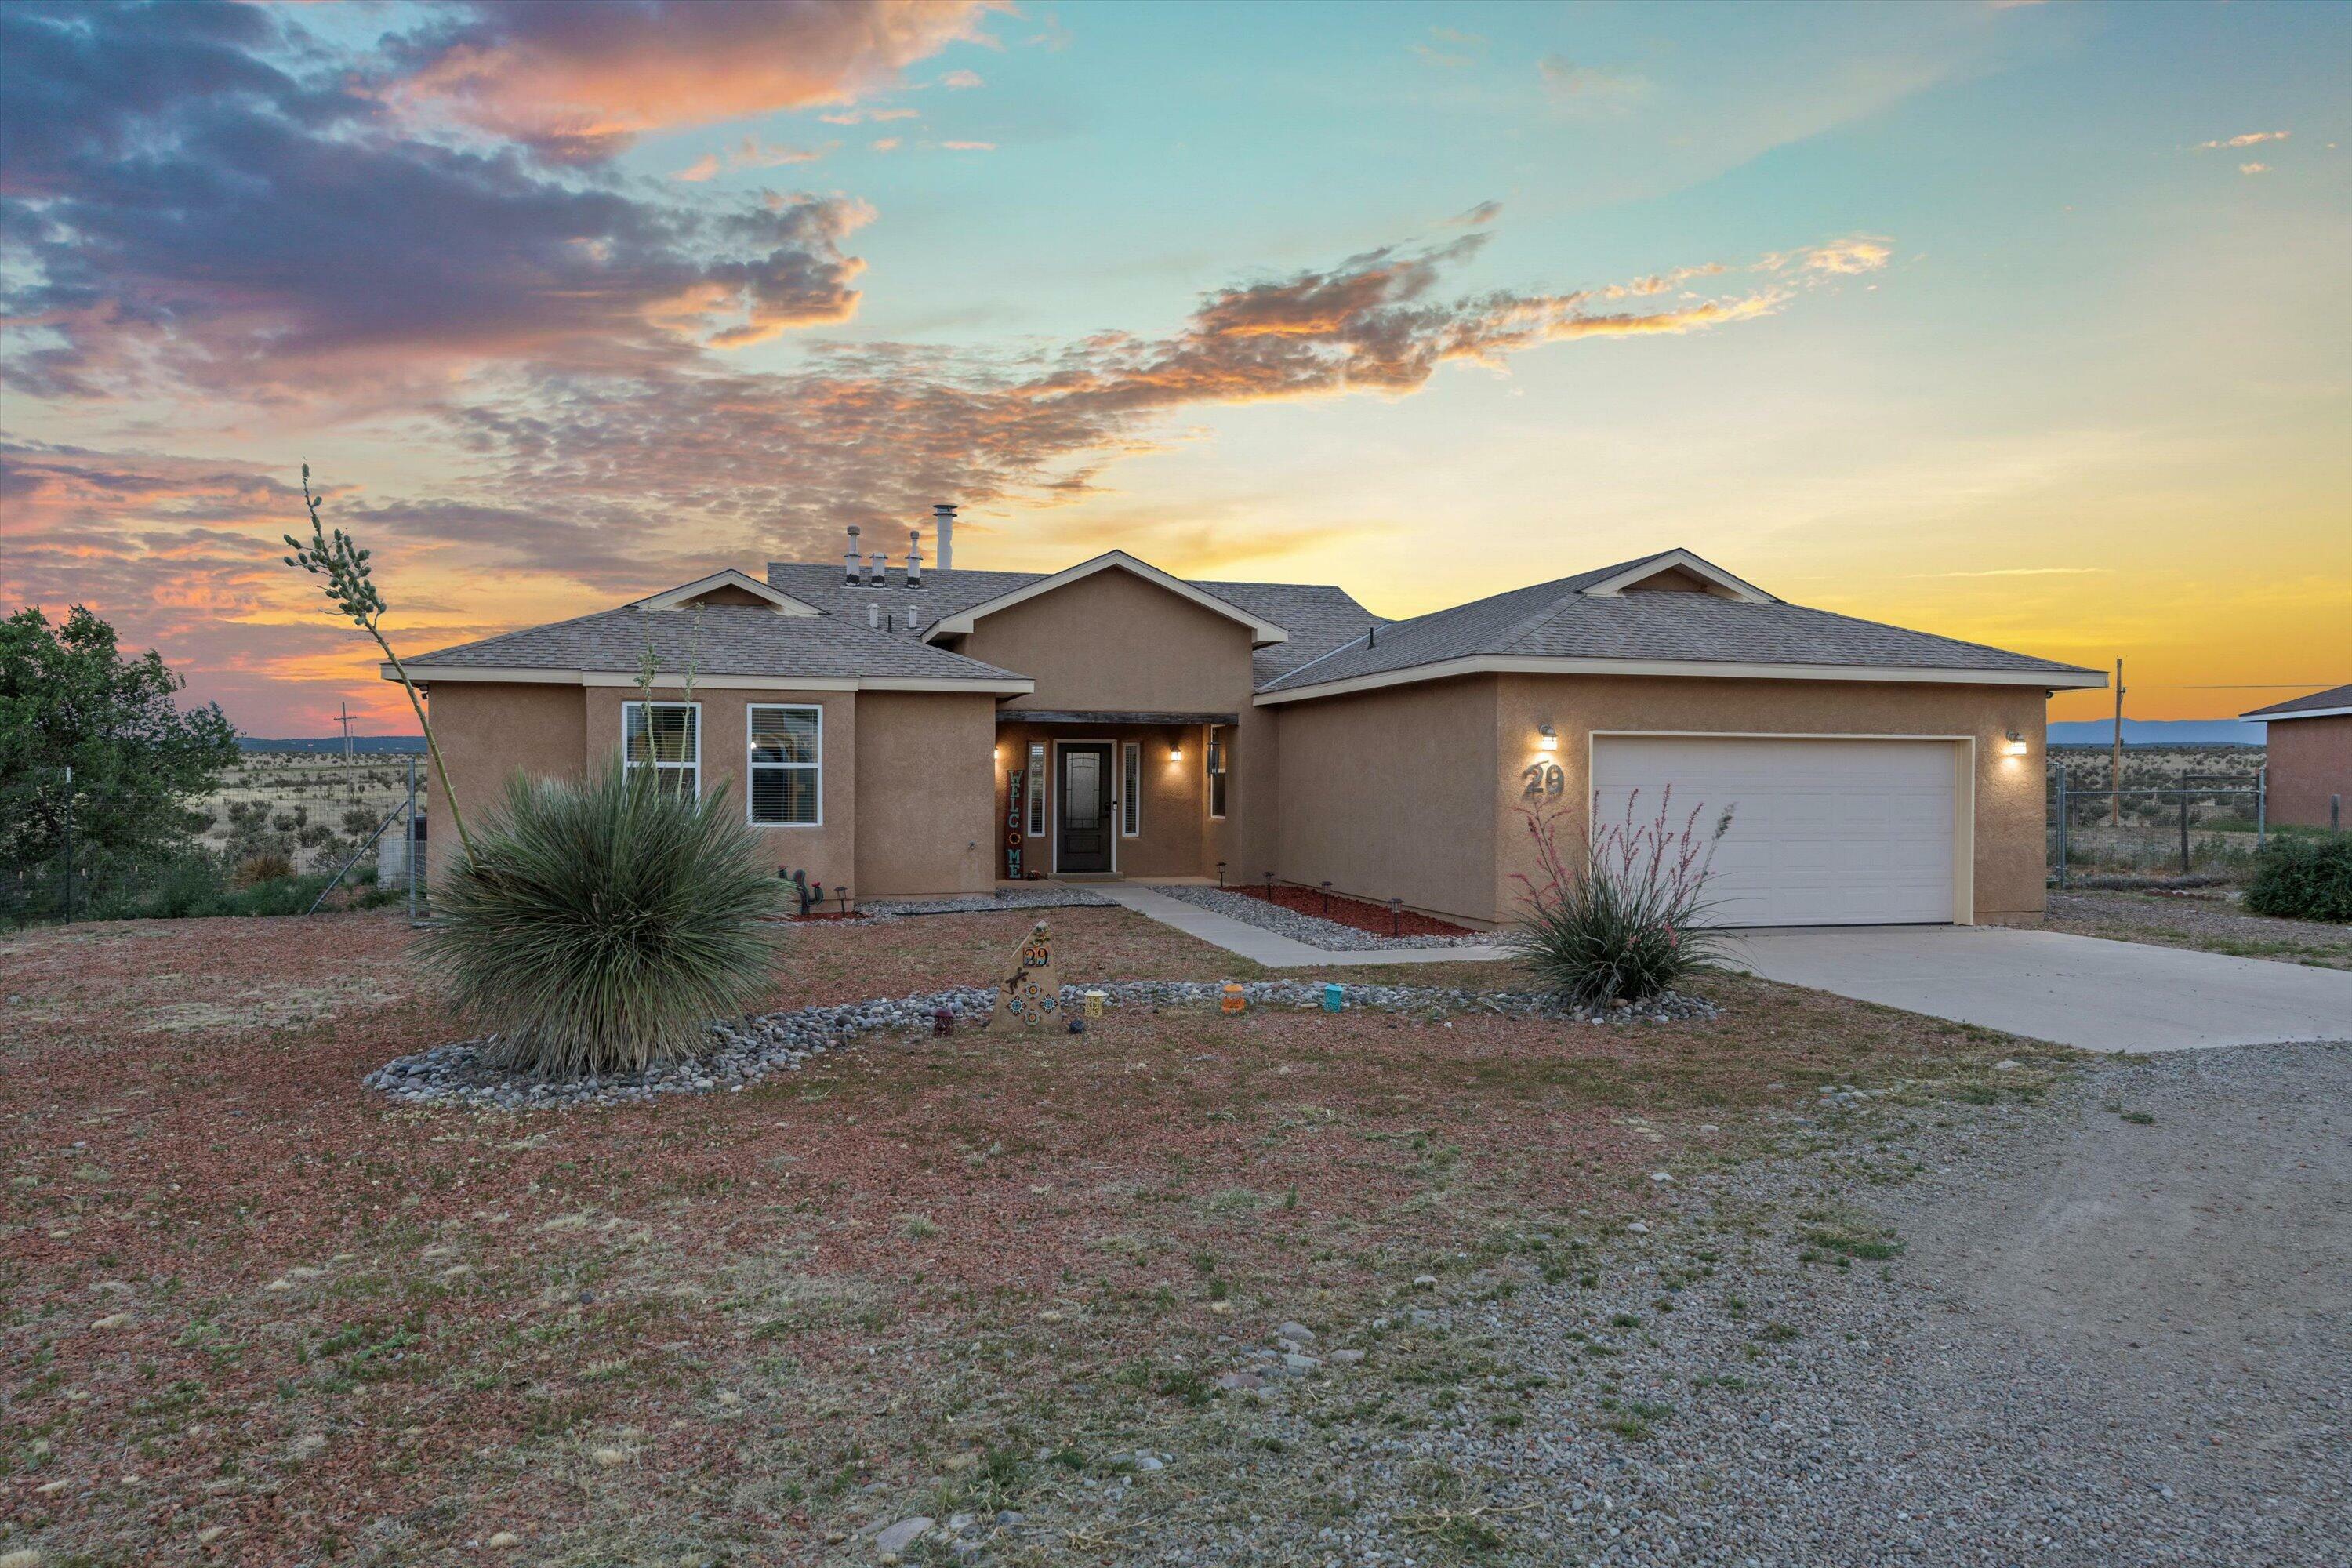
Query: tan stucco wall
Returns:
{"type": "Point", "coordinates": [2310, 759]}
{"type": "Point", "coordinates": [926, 822]}
{"type": "Point", "coordinates": [488, 732]}
{"type": "Point", "coordinates": [1388, 793]}
{"type": "Point", "coordinates": [2009, 848]}
{"type": "Point", "coordinates": [1114, 641]}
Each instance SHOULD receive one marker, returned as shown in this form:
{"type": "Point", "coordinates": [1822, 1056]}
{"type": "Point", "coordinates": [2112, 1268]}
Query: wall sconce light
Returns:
{"type": "Point", "coordinates": [1547, 738]}
{"type": "Point", "coordinates": [2015, 746]}
{"type": "Point", "coordinates": [1176, 753]}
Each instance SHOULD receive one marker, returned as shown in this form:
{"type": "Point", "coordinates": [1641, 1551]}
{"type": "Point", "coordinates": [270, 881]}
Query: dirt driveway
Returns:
{"type": "Point", "coordinates": [2109, 1328]}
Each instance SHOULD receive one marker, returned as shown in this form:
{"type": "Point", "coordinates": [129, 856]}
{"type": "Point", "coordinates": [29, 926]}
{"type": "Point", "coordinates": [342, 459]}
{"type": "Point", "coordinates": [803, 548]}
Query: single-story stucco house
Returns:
{"type": "Point", "coordinates": [905, 731]}
{"type": "Point", "coordinates": [2309, 761]}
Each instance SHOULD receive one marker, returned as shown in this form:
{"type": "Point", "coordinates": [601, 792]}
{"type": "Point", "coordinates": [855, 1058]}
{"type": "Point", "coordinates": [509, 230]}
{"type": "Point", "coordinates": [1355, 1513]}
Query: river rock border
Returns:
{"type": "Point", "coordinates": [745, 1050]}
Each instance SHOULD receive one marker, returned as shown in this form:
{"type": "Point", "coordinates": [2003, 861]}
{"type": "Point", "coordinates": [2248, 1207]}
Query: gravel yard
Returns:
{"type": "Point", "coordinates": [1418, 1283]}
{"type": "Point", "coordinates": [2212, 924]}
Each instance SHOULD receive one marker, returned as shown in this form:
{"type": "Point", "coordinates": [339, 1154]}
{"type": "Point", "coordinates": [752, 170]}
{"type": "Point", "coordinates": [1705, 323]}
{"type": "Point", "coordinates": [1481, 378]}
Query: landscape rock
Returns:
{"type": "Point", "coordinates": [903, 1535]}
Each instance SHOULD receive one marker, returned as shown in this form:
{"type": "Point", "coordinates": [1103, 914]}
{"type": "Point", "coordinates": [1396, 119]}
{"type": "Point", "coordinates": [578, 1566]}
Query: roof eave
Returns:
{"type": "Point", "coordinates": [2264, 716]}
{"type": "Point", "coordinates": [520, 675]}
{"type": "Point", "coordinates": [2059, 678]}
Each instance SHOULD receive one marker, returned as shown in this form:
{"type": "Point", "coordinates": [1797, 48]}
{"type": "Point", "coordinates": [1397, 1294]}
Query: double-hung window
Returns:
{"type": "Point", "coordinates": [665, 737]}
{"type": "Point", "coordinates": [787, 765]}
{"type": "Point", "coordinates": [1216, 775]}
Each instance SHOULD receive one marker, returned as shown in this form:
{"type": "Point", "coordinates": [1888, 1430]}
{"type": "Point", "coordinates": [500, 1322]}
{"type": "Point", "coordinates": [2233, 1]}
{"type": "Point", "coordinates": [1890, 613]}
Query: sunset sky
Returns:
{"type": "Point", "coordinates": [2024, 323]}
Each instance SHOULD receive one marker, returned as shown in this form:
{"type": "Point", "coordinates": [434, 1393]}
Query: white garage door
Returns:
{"type": "Point", "coordinates": [1823, 832]}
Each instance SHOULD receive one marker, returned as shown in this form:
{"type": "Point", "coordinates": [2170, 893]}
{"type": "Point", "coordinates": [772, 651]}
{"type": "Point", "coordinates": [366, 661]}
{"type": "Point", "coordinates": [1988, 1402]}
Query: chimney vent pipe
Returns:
{"type": "Point", "coordinates": [943, 533]}
{"type": "Point", "coordinates": [852, 552]}
{"type": "Point", "coordinates": [878, 568]}
{"type": "Point", "coordinates": [913, 558]}
{"type": "Point", "coordinates": [874, 617]}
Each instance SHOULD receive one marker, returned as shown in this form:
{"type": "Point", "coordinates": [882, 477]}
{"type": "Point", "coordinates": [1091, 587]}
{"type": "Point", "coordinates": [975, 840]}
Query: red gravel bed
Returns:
{"type": "Point", "coordinates": [1355, 913]}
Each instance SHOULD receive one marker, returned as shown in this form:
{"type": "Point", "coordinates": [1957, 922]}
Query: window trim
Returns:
{"type": "Point", "coordinates": [657, 763]}
{"type": "Point", "coordinates": [1034, 808]}
{"type": "Point", "coordinates": [750, 768]}
{"type": "Point", "coordinates": [1217, 785]}
{"type": "Point", "coordinates": [1129, 800]}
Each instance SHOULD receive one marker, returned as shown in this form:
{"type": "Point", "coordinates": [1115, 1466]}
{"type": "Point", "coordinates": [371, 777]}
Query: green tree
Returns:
{"type": "Point", "coordinates": [69, 698]}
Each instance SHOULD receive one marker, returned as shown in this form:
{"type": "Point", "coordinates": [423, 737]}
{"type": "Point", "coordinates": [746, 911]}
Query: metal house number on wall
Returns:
{"type": "Point", "coordinates": [1545, 781]}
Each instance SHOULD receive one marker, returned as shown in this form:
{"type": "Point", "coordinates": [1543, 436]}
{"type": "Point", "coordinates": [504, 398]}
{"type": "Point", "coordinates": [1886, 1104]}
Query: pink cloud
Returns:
{"type": "Point", "coordinates": [583, 78]}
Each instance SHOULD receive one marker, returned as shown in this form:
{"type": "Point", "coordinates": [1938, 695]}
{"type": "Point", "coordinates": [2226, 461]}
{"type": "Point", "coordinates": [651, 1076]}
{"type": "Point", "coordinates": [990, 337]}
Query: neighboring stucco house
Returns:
{"type": "Point", "coordinates": [2309, 762]}
{"type": "Point", "coordinates": [903, 730]}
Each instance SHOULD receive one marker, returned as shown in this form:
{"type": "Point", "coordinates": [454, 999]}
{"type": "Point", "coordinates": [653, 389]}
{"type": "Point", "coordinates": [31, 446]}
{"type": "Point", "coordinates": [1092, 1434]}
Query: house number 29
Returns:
{"type": "Point", "coordinates": [1545, 781]}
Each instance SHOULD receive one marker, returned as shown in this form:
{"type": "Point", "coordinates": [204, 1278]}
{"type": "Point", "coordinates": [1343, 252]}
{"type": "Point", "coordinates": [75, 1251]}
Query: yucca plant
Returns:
{"type": "Point", "coordinates": [600, 926]}
{"type": "Point", "coordinates": [1621, 917]}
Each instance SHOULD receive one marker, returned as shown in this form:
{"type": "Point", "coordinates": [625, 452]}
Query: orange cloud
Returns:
{"type": "Point", "coordinates": [582, 80]}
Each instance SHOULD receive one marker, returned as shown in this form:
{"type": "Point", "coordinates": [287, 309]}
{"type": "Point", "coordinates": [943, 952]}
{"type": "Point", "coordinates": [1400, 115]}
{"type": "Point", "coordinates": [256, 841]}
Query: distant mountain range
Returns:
{"type": "Point", "coordinates": [2158, 732]}
{"type": "Point", "coordinates": [373, 745]}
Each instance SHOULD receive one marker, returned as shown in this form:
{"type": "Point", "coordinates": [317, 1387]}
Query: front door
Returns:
{"type": "Point", "coordinates": [1084, 815]}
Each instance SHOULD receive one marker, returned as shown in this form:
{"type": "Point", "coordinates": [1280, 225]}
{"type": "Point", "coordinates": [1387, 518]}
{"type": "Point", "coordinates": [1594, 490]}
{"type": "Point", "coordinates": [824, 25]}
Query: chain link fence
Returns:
{"type": "Point", "coordinates": [2207, 827]}
{"type": "Point", "coordinates": [285, 833]}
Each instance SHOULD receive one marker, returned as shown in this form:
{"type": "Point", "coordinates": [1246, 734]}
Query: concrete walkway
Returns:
{"type": "Point", "coordinates": [1271, 949]}
{"type": "Point", "coordinates": [2079, 991]}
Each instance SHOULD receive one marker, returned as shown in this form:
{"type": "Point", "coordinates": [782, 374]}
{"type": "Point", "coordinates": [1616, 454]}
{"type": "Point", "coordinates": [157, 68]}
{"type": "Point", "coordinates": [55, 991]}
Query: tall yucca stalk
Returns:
{"type": "Point", "coordinates": [600, 926]}
{"type": "Point", "coordinates": [1623, 916]}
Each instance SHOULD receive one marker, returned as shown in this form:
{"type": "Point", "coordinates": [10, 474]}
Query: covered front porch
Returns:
{"type": "Point", "coordinates": [1105, 794]}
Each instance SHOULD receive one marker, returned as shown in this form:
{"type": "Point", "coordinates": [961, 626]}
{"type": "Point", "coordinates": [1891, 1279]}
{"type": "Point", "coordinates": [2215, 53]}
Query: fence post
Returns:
{"type": "Point", "coordinates": [69, 868]}
{"type": "Point", "coordinates": [2184, 825]}
{"type": "Point", "coordinates": [408, 850]}
{"type": "Point", "coordinates": [2262, 805]}
{"type": "Point", "coordinates": [2062, 856]}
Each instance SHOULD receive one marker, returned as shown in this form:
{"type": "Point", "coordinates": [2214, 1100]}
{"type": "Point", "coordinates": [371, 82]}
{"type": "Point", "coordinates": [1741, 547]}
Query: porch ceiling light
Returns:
{"type": "Point", "coordinates": [1547, 738]}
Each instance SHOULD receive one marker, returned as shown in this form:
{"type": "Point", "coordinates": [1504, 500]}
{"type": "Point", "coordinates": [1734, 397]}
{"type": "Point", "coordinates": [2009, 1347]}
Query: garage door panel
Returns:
{"type": "Point", "coordinates": [1823, 832]}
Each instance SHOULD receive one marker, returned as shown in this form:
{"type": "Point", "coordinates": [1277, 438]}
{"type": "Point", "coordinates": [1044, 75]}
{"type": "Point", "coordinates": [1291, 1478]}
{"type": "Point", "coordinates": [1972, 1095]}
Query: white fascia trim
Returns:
{"type": "Point", "coordinates": [1010, 687]}
{"type": "Point", "coordinates": [783, 604]}
{"type": "Point", "coordinates": [1262, 632]}
{"type": "Point", "coordinates": [1521, 664]}
{"type": "Point", "coordinates": [1744, 592]}
{"type": "Point", "coordinates": [2293, 713]}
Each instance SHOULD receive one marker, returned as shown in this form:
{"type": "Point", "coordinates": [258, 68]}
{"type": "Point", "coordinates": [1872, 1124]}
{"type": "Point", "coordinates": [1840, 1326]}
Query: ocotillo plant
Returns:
{"type": "Point", "coordinates": [350, 588]}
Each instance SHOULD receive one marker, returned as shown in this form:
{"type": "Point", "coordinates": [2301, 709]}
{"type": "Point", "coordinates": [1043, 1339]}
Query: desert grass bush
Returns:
{"type": "Point", "coordinates": [600, 926]}
{"type": "Point", "coordinates": [1621, 916]}
{"type": "Point", "coordinates": [2304, 878]}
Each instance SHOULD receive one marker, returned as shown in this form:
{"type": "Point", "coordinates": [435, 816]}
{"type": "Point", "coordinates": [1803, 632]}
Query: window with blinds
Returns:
{"type": "Point", "coordinates": [1130, 790]}
{"type": "Point", "coordinates": [1216, 775]}
{"type": "Point", "coordinates": [665, 737]}
{"type": "Point", "coordinates": [786, 765]}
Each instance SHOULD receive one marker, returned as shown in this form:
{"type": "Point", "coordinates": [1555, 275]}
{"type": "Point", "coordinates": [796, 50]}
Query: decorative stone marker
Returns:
{"type": "Point", "coordinates": [1031, 994]}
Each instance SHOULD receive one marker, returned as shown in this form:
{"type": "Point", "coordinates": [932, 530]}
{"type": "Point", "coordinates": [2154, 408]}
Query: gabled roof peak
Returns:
{"type": "Point", "coordinates": [1262, 632]}
{"type": "Point", "coordinates": [727, 580]}
{"type": "Point", "coordinates": [1707, 577]}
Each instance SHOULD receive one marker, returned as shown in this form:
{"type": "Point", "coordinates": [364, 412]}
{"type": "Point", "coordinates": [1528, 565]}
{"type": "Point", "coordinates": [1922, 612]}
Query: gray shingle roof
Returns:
{"type": "Point", "coordinates": [719, 639]}
{"type": "Point", "coordinates": [1558, 620]}
{"type": "Point", "coordinates": [1318, 617]}
{"type": "Point", "coordinates": [2334, 697]}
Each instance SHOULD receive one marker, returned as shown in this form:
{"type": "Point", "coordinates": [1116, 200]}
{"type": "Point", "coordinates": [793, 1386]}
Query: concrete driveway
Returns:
{"type": "Point", "coordinates": [2078, 991]}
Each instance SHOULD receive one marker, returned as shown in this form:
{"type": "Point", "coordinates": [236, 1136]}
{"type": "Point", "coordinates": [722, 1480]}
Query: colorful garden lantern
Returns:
{"type": "Point", "coordinates": [1333, 997]}
{"type": "Point", "coordinates": [1234, 1001]}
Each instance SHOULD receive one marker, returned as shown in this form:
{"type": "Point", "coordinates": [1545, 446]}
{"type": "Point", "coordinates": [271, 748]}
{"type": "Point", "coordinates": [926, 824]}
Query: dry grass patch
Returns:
{"type": "Point", "coordinates": [919, 1251]}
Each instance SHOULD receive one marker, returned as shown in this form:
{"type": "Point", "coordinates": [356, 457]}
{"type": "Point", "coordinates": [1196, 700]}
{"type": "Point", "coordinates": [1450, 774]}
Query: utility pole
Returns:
{"type": "Point", "coordinates": [2115, 762]}
{"type": "Point", "coordinates": [346, 723]}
